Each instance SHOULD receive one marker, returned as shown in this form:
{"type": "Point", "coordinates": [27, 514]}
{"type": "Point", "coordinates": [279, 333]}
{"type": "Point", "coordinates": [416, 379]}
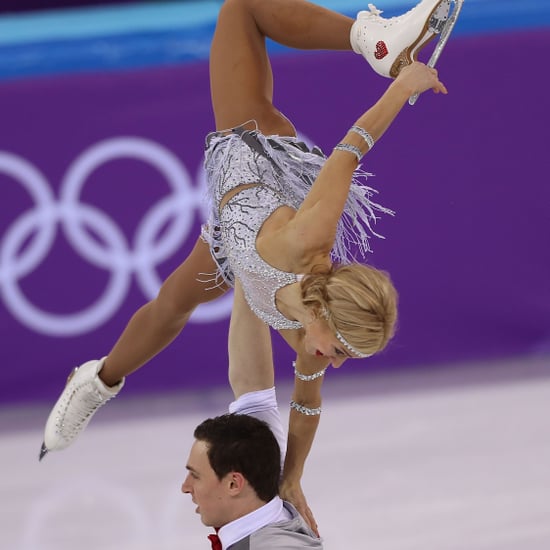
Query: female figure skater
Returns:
{"type": "Point", "coordinates": [276, 215]}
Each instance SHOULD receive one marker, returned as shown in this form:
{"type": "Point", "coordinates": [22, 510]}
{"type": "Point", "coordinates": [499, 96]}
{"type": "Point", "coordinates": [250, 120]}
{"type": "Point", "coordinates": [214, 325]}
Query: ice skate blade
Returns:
{"type": "Point", "coordinates": [445, 33]}
{"type": "Point", "coordinates": [43, 452]}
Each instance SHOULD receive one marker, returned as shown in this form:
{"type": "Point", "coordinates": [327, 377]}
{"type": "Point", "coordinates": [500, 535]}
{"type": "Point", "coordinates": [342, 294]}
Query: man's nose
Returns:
{"type": "Point", "coordinates": [185, 486]}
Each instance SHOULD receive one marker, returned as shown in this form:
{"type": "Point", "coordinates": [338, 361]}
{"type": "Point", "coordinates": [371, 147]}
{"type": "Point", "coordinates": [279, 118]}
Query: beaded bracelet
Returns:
{"type": "Point", "coordinates": [369, 140]}
{"type": "Point", "coordinates": [305, 410]}
{"type": "Point", "coordinates": [307, 377]}
{"type": "Point", "coordinates": [350, 149]}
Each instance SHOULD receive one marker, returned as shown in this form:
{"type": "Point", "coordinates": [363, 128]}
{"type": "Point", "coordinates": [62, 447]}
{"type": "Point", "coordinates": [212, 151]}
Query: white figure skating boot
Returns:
{"type": "Point", "coordinates": [83, 395]}
{"type": "Point", "coordinates": [390, 44]}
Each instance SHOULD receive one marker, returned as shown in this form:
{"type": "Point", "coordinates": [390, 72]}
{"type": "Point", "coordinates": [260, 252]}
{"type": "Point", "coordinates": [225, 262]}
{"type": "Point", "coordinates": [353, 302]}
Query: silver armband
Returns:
{"type": "Point", "coordinates": [369, 140]}
{"type": "Point", "coordinates": [305, 410]}
{"type": "Point", "coordinates": [307, 377]}
{"type": "Point", "coordinates": [350, 149]}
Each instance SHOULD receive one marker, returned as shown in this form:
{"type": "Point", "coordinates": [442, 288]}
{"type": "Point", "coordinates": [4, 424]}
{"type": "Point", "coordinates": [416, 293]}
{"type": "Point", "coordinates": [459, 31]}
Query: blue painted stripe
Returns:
{"type": "Point", "coordinates": [93, 22]}
{"type": "Point", "coordinates": [108, 53]}
{"type": "Point", "coordinates": [120, 38]}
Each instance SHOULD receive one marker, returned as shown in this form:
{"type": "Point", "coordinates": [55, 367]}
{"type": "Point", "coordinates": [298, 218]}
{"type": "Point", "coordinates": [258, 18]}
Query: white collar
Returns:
{"type": "Point", "coordinates": [272, 512]}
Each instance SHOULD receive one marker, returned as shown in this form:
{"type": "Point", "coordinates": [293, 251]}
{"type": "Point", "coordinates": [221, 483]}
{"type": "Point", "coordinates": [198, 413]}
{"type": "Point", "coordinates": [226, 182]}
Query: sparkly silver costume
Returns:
{"type": "Point", "coordinates": [285, 169]}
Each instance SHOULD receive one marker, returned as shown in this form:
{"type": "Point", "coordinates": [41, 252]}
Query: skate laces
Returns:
{"type": "Point", "coordinates": [373, 13]}
{"type": "Point", "coordinates": [374, 10]}
{"type": "Point", "coordinates": [81, 405]}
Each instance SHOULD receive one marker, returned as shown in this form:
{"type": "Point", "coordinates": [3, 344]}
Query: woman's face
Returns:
{"type": "Point", "coordinates": [320, 340]}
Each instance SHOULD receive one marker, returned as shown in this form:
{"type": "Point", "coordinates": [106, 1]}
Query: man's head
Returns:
{"type": "Point", "coordinates": [234, 467]}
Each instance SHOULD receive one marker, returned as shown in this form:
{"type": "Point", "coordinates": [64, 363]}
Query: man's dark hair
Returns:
{"type": "Point", "coordinates": [244, 444]}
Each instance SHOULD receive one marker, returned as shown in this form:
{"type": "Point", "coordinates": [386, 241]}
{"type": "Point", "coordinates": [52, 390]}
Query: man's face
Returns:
{"type": "Point", "coordinates": [209, 493]}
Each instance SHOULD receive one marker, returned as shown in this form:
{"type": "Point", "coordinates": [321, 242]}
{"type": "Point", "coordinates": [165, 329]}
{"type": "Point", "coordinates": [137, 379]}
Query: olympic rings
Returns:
{"type": "Point", "coordinates": [32, 236]}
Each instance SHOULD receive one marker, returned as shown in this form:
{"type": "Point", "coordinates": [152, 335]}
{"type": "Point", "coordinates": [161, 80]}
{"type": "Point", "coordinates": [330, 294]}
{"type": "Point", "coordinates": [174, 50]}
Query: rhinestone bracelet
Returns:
{"type": "Point", "coordinates": [307, 377]}
{"type": "Point", "coordinates": [305, 410]}
{"type": "Point", "coordinates": [369, 140]}
{"type": "Point", "coordinates": [350, 149]}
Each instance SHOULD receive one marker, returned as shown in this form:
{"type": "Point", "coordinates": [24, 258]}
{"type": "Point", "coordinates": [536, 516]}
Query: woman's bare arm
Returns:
{"type": "Point", "coordinates": [315, 222]}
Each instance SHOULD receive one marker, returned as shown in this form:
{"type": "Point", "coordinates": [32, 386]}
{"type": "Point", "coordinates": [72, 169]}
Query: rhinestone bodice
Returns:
{"type": "Point", "coordinates": [284, 170]}
{"type": "Point", "coordinates": [241, 220]}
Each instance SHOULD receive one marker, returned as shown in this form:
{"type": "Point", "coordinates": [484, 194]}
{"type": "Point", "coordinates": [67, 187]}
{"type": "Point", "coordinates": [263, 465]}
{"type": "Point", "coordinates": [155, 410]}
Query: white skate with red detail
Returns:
{"type": "Point", "coordinates": [390, 44]}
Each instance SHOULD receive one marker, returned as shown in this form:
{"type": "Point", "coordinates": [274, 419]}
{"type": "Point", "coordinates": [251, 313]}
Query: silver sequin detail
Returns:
{"type": "Point", "coordinates": [305, 410]}
{"type": "Point", "coordinates": [350, 348]}
{"type": "Point", "coordinates": [369, 140]}
{"type": "Point", "coordinates": [284, 171]}
{"type": "Point", "coordinates": [241, 220]}
{"type": "Point", "coordinates": [307, 377]}
{"type": "Point", "coordinates": [349, 148]}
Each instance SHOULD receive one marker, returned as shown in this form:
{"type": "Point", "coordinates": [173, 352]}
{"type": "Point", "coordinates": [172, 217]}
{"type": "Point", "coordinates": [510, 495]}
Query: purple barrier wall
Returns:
{"type": "Point", "coordinates": [100, 200]}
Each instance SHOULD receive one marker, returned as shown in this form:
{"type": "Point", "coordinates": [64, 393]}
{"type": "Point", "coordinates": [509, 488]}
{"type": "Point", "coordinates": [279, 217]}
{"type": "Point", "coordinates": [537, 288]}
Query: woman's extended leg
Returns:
{"type": "Point", "coordinates": [157, 323]}
{"type": "Point", "coordinates": [240, 71]}
{"type": "Point", "coordinates": [149, 331]}
{"type": "Point", "coordinates": [242, 88]}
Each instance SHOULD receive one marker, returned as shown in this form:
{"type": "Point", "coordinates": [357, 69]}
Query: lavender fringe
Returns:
{"type": "Point", "coordinates": [291, 172]}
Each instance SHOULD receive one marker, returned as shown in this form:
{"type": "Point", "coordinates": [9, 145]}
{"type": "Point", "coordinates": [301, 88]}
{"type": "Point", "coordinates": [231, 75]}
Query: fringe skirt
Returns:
{"type": "Point", "coordinates": [289, 168]}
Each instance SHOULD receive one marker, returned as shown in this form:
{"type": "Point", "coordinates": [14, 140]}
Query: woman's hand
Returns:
{"type": "Point", "coordinates": [293, 493]}
{"type": "Point", "coordinates": [417, 78]}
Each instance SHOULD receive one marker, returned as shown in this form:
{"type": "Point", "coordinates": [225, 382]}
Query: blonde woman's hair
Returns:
{"type": "Point", "coordinates": [358, 301]}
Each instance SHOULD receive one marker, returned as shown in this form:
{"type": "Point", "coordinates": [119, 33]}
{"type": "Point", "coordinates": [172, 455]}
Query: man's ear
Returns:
{"type": "Point", "coordinates": [236, 482]}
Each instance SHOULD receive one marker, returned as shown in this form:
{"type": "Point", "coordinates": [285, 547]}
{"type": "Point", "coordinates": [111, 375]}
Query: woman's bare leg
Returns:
{"type": "Point", "coordinates": [158, 322]}
{"type": "Point", "coordinates": [240, 72]}
{"type": "Point", "coordinates": [242, 89]}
